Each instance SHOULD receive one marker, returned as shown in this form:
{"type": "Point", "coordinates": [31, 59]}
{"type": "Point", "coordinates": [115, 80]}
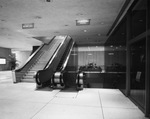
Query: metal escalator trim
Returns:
{"type": "Point", "coordinates": [66, 61]}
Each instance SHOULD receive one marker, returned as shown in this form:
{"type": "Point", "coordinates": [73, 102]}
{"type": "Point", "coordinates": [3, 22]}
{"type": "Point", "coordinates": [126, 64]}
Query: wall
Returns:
{"type": "Point", "coordinates": [5, 53]}
{"type": "Point", "coordinates": [115, 58]}
{"type": "Point", "coordinates": [73, 60]}
{"type": "Point", "coordinates": [91, 54]}
{"type": "Point", "coordinates": [21, 57]}
{"type": "Point", "coordinates": [70, 75]}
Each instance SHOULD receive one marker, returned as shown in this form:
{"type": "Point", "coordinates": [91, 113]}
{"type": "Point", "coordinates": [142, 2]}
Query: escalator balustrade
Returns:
{"type": "Point", "coordinates": [57, 80]}
{"type": "Point", "coordinates": [80, 81]}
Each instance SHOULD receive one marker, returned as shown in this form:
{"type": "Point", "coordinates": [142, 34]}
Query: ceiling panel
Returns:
{"type": "Point", "coordinates": [55, 18]}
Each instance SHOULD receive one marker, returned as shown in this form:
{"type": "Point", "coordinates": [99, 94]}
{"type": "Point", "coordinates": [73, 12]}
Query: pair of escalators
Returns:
{"type": "Point", "coordinates": [57, 81]}
{"type": "Point", "coordinates": [47, 65]}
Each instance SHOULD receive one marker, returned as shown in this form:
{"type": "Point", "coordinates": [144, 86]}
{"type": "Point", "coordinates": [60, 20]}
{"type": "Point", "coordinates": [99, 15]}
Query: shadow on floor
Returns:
{"type": "Point", "coordinates": [44, 89]}
{"type": "Point", "coordinates": [69, 89]}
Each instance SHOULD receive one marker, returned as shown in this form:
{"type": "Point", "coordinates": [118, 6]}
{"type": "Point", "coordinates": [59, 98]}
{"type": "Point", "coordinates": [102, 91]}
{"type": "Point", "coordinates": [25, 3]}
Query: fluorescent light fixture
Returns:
{"type": "Point", "coordinates": [28, 26]}
{"type": "Point", "coordinates": [110, 53]}
{"type": "Point", "coordinates": [99, 34]}
{"type": "Point", "coordinates": [85, 30]}
{"type": "Point", "coordinates": [89, 54]}
{"type": "Point", "coordinates": [83, 22]}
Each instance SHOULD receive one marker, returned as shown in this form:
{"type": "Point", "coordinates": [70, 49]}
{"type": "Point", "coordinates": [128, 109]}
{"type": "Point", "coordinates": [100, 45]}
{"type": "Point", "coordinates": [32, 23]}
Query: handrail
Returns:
{"type": "Point", "coordinates": [50, 40]}
{"type": "Point", "coordinates": [28, 60]}
{"type": "Point", "coordinates": [30, 57]}
{"type": "Point", "coordinates": [54, 54]}
{"type": "Point", "coordinates": [64, 65]}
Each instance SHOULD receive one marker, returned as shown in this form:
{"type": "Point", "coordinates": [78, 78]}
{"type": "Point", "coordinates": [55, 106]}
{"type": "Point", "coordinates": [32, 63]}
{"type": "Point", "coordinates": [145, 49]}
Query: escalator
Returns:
{"type": "Point", "coordinates": [62, 64]}
{"type": "Point", "coordinates": [57, 80]}
{"type": "Point", "coordinates": [39, 60]}
{"type": "Point", "coordinates": [57, 64]}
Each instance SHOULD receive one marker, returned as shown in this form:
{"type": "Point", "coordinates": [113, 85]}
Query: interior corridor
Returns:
{"type": "Point", "coordinates": [23, 101]}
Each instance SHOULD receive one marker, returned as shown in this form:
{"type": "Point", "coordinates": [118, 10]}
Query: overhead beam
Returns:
{"type": "Point", "coordinates": [120, 16]}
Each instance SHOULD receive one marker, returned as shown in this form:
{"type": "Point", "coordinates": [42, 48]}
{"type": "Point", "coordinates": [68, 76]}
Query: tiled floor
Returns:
{"type": "Point", "coordinates": [23, 101]}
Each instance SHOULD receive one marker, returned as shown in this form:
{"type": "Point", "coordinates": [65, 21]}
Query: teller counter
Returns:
{"type": "Point", "coordinates": [95, 79]}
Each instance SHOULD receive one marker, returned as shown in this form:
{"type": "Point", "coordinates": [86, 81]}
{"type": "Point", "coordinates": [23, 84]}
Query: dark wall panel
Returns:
{"type": "Point", "coordinates": [5, 53]}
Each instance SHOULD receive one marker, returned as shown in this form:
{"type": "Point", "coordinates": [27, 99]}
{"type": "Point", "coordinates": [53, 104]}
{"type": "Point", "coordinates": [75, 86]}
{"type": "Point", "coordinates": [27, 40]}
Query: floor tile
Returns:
{"type": "Point", "coordinates": [115, 98]}
{"type": "Point", "coordinates": [56, 111]}
{"type": "Point", "coordinates": [120, 113]}
{"type": "Point", "coordinates": [83, 98]}
{"type": "Point", "coordinates": [24, 101]}
{"type": "Point", "coordinates": [66, 95]}
{"type": "Point", "coordinates": [18, 110]}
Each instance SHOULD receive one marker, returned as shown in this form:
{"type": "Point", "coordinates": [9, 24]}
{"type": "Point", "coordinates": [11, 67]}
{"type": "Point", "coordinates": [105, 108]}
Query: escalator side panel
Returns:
{"type": "Point", "coordinates": [64, 57]}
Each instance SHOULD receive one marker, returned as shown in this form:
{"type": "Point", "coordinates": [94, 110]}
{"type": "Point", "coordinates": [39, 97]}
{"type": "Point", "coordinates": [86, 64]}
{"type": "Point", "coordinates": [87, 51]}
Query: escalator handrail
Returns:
{"type": "Point", "coordinates": [30, 57]}
{"type": "Point", "coordinates": [34, 54]}
{"type": "Point", "coordinates": [66, 61]}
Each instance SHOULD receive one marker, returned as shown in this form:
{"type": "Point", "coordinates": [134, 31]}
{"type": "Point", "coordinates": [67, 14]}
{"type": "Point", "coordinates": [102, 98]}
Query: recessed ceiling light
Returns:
{"type": "Point", "coordinates": [27, 25]}
{"type": "Point", "coordinates": [110, 53]}
{"type": "Point", "coordinates": [90, 54]}
{"type": "Point", "coordinates": [102, 23]}
{"type": "Point", "coordinates": [85, 30]}
{"type": "Point", "coordinates": [99, 34]}
{"type": "Point", "coordinates": [83, 22]}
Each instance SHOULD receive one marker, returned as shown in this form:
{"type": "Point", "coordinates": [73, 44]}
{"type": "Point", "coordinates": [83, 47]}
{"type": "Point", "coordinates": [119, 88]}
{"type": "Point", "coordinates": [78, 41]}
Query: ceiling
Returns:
{"type": "Point", "coordinates": [54, 18]}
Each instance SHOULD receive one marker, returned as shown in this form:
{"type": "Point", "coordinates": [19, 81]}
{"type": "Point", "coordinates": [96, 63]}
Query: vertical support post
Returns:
{"type": "Point", "coordinates": [128, 37]}
{"type": "Point", "coordinates": [147, 84]}
{"type": "Point", "coordinates": [14, 76]}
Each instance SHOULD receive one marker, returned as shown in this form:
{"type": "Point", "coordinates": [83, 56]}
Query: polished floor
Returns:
{"type": "Point", "coordinates": [23, 101]}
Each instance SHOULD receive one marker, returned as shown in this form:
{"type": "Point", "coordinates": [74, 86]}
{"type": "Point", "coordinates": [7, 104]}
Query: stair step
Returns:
{"type": "Point", "coordinates": [28, 77]}
{"type": "Point", "coordinates": [31, 73]}
{"type": "Point", "coordinates": [28, 80]}
{"type": "Point", "coordinates": [37, 67]}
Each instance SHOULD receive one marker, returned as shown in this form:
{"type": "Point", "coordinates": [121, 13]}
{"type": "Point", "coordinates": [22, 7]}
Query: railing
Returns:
{"type": "Point", "coordinates": [66, 61]}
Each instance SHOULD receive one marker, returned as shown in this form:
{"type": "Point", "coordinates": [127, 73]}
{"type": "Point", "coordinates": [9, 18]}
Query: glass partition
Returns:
{"type": "Point", "coordinates": [138, 24]}
{"type": "Point", "coordinates": [137, 73]}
